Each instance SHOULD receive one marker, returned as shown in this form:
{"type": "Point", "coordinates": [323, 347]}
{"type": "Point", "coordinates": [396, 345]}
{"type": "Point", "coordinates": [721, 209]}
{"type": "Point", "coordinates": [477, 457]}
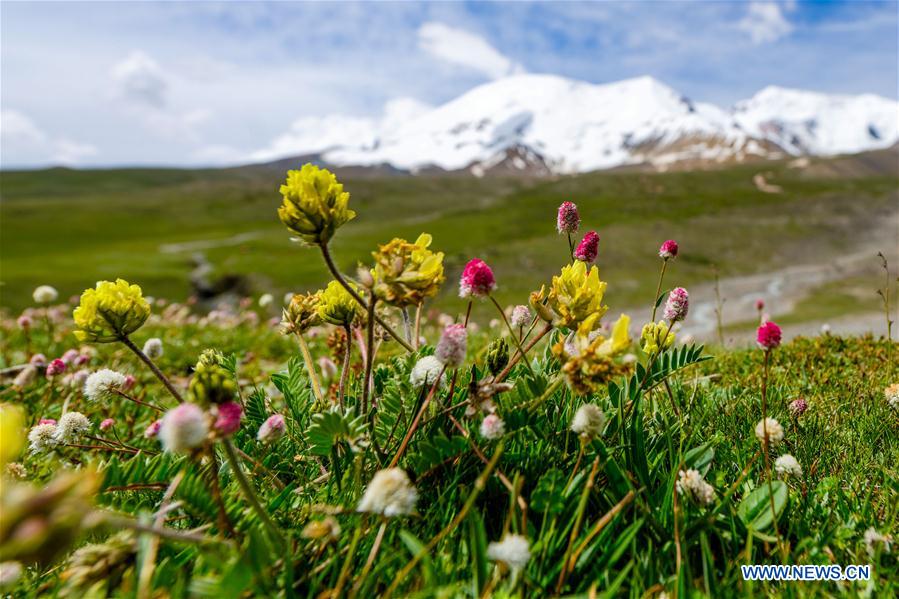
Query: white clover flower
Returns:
{"type": "Point", "coordinates": [521, 317]}
{"type": "Point", "coordinates": [42, 438]}
{"type": "Point", "coordinates": [390, 493]}
{"type": "Point", "coordinates": [691, 484]}
{"type": "Point", "coordinates": [10, 573]}
{"type": "Point", "coordinates": [892, 395]}
{"type": "Point", "coordinates": [588, 421]}
{"type": "Point", "coordinates": [492, 427]}
{"type": "Point", "coordinates": [426, 371]}
{"type": "Point", "coordinates": [45, 294]}
{"type": "Point", "coordinates": [101, 385]}
{"type": "Point", "coordinates": [265, 300]}
{"type": "Point", "coordinates": [183, 428]}
{"type": "Point", "coordinates": [272, 429]}
{"type": "Point", "coordinates": [153, 348]}
{"type": "Point", "coordinates": [71, 426]}
{"type": "Point", "coordinates": [786, 465]}
{"type": "Point", "coordinates": [775, 431]}
{"type": "Point", "coordinates": [513, 550]}
{"type": "Point", "coordinates": [874, 538]}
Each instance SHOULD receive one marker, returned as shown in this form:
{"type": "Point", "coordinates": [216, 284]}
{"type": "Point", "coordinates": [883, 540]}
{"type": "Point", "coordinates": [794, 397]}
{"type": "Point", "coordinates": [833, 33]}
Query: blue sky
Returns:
{"type": "Point", "coordinates": [204, 83]}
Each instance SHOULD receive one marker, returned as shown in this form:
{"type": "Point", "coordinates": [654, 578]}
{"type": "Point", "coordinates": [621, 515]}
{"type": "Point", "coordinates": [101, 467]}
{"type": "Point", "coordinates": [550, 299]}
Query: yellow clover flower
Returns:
{"type": "Point", "coordinates": [656, 337]}
{"type": "Point", "coordinates": [575, 298]}
{"type": "Point", "coordinates": [337, 306]}
{"type": "Point", "coordinates": [407, 273]}
{"type": "Point", "coordinates": [314, 204]}
{"type": "Point", "coordinates": [589, 357]}
{"type": "Point", "coordinates": [12, 433]}
{"type": "Point", "coordinates": [301, 313]}
{"type": "Point", "coordinates": [212, 383]}
{"type": "Point", "coordinates": [110, 312]}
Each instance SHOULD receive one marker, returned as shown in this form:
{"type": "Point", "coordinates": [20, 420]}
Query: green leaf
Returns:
{"type": "Point", "coordinates": [755, 509]}
{"type": "Point", "coordinates": [700, 458]}
{"type": "Point", "coordinates": [330, 428]}
{"type": "Point", "coordinates": [548, 495]}
{"type": "Point", "coordinates": [477, 548]}
{"type": "Point", "coordinates": [415, 547]}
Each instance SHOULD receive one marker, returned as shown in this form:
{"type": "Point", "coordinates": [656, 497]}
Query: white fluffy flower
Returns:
{"type": "Point", "coordinates": [492, 427]}
{"type": "Point", "coordinates": [775, 431]}
{"type": "Point", "coordinates": [588, 421]}
{"type": "Point", "coordinates": [265, 300]}
{"type": "Point", "coordinates": [10, 573]}
{"type": "Point", "coordinates": [153, 348]}
{"type": "Point", "coordinates": [272, 429]}
{"type": "Point", "coordinates": [45, 294]}
{"type": "Point", "coordinates": [42, 437]}
{"type": "Point", "coordinates": [390, 493]}
{"type": "Point", "coordinates": [521, 316]}
{"type": "Point", "coordinates": [874, 538]}
{"type": "Point", "coordinates": [691, 484]}
{"type": "Point", "coordinates": [786, 465]}
{"type": "Point", "coordinates": [513, 550]}
{"type": "Point", "coordinates": [183, 428]}
{"type": "Point", "coordinates": [426, 371]}
{"type": "Point", "coordinates": [103, 383]}
{"type": "Point", "coordinates": [892, 395]}
{"type": "Point", "coordinates": [71, 426]}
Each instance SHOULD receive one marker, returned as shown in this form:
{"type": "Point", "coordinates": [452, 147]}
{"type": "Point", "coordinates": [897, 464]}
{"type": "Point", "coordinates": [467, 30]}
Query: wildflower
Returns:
{"type": "Point", "coordinates": [103, 384]}
{"type": "Point", "coordinates": [691, 484]}
{"type": "Point", "coordinates": [314, 204]}
{"type": "Point", "coordinates": [16, 470]}
{"type": "Point", "coordinates": [768, 336]}
{"type": "Point", "coordinates": [153, 348]}
{"type": "Point", "coordinates": [12, 423]}
{"type": "Point", "coordinates": [24, 322]}
{"type": "Point", "coordinates": [775, 431]}
{"type": "Point", "coordinates": [677, 305]}
{"type": "Point", "coordinates": [71, 426]}
{"type": "Point", "coordinates": [787, 465]}
{"type": "Point", "coordinates": [337, 306]}
{"type": "Point", "coordinates": [153, 430]}
{"type": "Point", "coordinates": [873, 538]}
{"type": "Point", "coordinates": [588, 248]}
{"type": "Point", "coordinates": [95, 563]}
{"type": "Point", "coordinates": [426, 372]}
{"type": "Point", "coordinates": [452, 346]}
{"type": "Point", "coordinates": [657, 337]}
{"type": "Point", "coordinates": [301, 313]}
{"type": "Point", "coordinates": [47, 421]}
{"type": "Point", "coordinates": [521, 317]}
{"type": "Point", "coordinates": [477, 279]}
{"type": "Point", "coordinates": [272, 429]}
{"type": "Point", "coordinates": [56, 367]}
{"type": "Point", "coordinates": [265, 300]}
{"type": "Point", "coordinates": [405, 274]}
{"type": "Point", "coordinates": [497, 355]}
{"type": "Point", "coordinates": [328, 368]}
{"type": "Point", "coordinates": [79, 377]}
{"type": "Point", "coordinates": [25, 377]}
{"type": "Point", "coordinates": [227, 421]}
{"type": "Point", "coordinates": [130, 382]}
{"type": "Point", "coordinates": [10, 573]}
{"type": "Point", "coordinates": [110, 312]}
{"type": "Point", "coordinates": [892, 395]}
{"type": "Point", "coordinates": [390, 493]}
{"type": "Point", "coordinates": [759, 304]}
{"type": "Point", "coordinates": [326, 529]}
{"type": "Point", "coordinates": [39, 360]}
{"type": "Point", "coordinates": [212, 383]}
{"type": "Point", "coordinates": [42, 438]}
{"type": "Point", "coordinates": [492, 427]}
{"type": "Point", "coordinates": [589, 358]}
{"type": "Point", "coordinates": [514, 551]}
{"type": "Point", "coordinates": [183, 428]}
{"type": "Point", "coordinates": [588, 422]}
{"type": "Point", "coordinates": [668, 250]}
{"type": "Point", "coordinates": [45, 294]}
{"type": "Point", "coordinates": [69, 356]}
{"type": "Point", "coordinates": [568, 220]}
{"type": "Point", "coordinates": [107, 424]}
{"type": "Point", "coordinates": [575, 298]}
{"type": "Point", "coordinates": [798, 407]}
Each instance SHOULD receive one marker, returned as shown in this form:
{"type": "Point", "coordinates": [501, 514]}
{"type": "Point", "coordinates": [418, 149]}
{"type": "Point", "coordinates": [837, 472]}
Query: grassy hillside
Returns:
{"type": "Point", "coordinates": [74, 227]}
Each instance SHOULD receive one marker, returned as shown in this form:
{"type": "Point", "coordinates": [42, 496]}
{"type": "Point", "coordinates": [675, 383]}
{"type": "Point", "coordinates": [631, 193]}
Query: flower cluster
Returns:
{"type": "Point", "coordinates": [574, 300]}
{"type": "Point", "coordinates": [314, 204]}
{"type": "Point", "coordinates": [588, 358]}
{"type": "Point", "coordinates": [110, 312]}
{"type": "Point", "coordinates": [301, 313]}
{"type": "Point", "coordinates": [691, 484]}
{"type": "Point", "coordinates": [477, 279]}
{"type": "Point", "coordinates": [336, 305]}
{"type": "Point", "coordinates": [656, 337]}
{"type": "Point", "coordinates": [405, 274]}
{"type": "Point", "coordinates": [390, 493]}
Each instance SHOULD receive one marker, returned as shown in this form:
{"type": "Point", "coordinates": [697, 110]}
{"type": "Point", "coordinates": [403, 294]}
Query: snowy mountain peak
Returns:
{"type": "Point", "coordinates": [554, 124]}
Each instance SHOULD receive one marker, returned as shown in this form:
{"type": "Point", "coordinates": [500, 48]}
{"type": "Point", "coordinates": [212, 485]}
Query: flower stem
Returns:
{"type": "Point", "coordinates": [370, 353]}
{"type": "Point", "coordinates": [505, 372]}
{"type": "Point", "coordinates": [345, 372]}
{"type": "Point", "coordinates": [250, 494]}
{"type": "Point", "coordinates": [146, 360]}
{"type": "Point", "coordinates": [765, 446]}
{"type": "Point", "coordinates": [417, 339]}
{"type": "Point", "coordinates": [137, 401]}
{"type": "Point", "coordinates": [326, 254]}
{"type": "Point", "coordinates": [310, 368]}
{"type": "Point", "coordinates": [655, 299]}
{"type": "Point", "coordinates": [379, 538]}
{"type": "Point", "coordinates": [512, 333]}
{"type": "Point", "coordinates": [414, 425]}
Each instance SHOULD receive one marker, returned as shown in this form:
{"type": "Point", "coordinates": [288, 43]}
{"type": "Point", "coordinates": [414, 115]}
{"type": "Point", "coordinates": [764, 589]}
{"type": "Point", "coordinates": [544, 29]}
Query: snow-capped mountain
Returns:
{"type": "Point", "coordinates": [556, 125]}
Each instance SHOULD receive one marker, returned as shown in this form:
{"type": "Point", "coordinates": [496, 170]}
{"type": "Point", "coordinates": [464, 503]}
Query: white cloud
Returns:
{"type": "Point", "coordinates": [765, 22]}
{"type": "Point", "coordinates": [22, 138]}
{"type": "Point", "coordinates": [465, 49]}
{"type": "Point", "coordinates": [140, 79]}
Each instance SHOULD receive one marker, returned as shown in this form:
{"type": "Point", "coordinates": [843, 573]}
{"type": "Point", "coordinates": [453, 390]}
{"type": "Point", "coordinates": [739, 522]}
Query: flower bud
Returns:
{"type": "Point", "coordinates": [477, 279]}
{"type": "Point", "coordinates": [227, 421]}
{"type": "Point", "coordinates": [45, 294]}
{"type": "Point", "coordinates": [497, 355]}
{"type": "Point", "coordinates": [668, 250]}
{"type": "Point", "coordinates": [568, 220]}
{"type": "Point", "coordinates": [272, 429]}
{"type": "Point", "coordinates": [183, 428]}
{"type": "Point", "coordinates": [588, 248]}
{"type": "Point", "coordinates": [768, 336]}
{"type": "Point", "coordinates": [677, 305]}
{"type": "Point", "coordinates": [153, 348]}
{"type": "Point", "coordinates": [56, 367]}
{"type": "Point", "coordinates": [452, 346]}
{"type": "Point", "coordinates": [492, 427]}
{"type": "Point", "coordinates": [110, 312]}
{"type": "Point", "coordinates": [314, 204]}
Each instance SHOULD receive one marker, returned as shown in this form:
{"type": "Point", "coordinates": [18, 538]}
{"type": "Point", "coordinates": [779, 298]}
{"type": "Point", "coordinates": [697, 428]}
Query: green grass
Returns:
{"type": "Point", "coordinates": [845, 443]}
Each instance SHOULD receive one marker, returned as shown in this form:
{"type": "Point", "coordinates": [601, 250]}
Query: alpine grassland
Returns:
{"type": "Point", "coordinates": [437, 386]}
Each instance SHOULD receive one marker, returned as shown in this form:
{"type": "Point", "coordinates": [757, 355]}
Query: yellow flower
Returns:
{"type": "Point", "coordinates": [656, 337]}
{"type": "Point", "coordinates": [407, 273]}
{"type": "Point", "coordinates": [212, 383]}
{"type": "Point", "coordinates": [337, 306]}
{"type": "Point", "coordinates": [301, 313]}
{"type": "Point", "coordinates": [589, 357]}
{"type": "Point", "coordinates": [575, 298]}
{"type": "Point", "coordinates": [315, 204]}
{"type": "Point", "coordinates": [110, 312]}
{"type": "Point", "coordinates": [12, 434]}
